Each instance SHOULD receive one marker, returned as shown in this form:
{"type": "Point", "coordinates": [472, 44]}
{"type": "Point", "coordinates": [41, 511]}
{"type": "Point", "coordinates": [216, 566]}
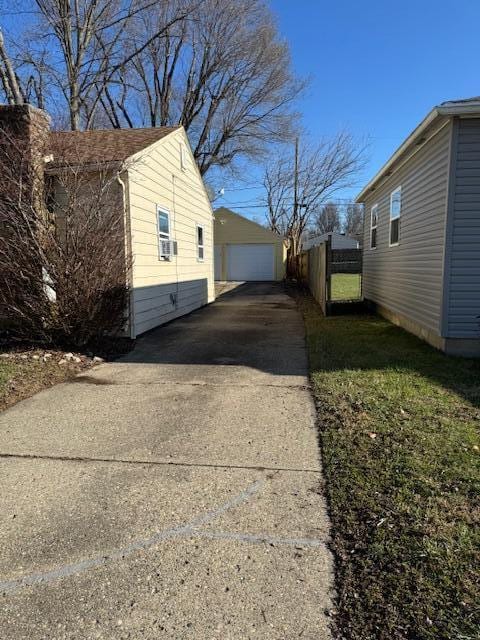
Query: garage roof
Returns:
{"type": "Point", "coordinates": [268, 233]}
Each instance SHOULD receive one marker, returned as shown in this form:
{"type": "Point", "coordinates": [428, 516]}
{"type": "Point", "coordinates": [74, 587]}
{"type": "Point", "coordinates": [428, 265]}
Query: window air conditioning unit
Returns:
{"type": "Point", "coordinates": [168, 248]}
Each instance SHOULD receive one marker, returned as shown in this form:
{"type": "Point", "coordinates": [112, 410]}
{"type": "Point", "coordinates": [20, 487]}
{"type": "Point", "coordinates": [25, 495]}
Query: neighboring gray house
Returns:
{"type": "Point", "coordinates": [422, 231]}
{"type": "Point", "coordinates": [339, 241]}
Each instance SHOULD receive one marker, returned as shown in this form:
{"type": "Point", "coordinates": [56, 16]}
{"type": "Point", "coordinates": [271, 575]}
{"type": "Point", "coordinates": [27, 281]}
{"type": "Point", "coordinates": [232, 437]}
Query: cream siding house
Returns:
{"type": "Point", "coordinates": [421, 263]}
{"type": "Point", "coordinates": [164, 210]}
{"type": "Point", "coordinates": [167, 205]}
{"type": "Point", "coordinates": [246, 251]}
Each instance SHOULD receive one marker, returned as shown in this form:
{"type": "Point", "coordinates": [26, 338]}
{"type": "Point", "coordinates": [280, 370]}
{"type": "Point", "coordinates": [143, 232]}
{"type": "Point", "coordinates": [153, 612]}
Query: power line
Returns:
{"type": "Point", "coordinates": [337, 203]}
{"type": "Point", "coordinates": [243, 188]}
{"type": "Point", "coordinates": [250, 206]}
{"type": "Point", "coordinates": [252, 201]}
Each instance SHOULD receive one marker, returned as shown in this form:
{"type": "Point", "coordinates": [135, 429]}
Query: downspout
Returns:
{"type": "Point", "coordinates": [128, 253]}
{"type": "Point", "coordinates": [174, 211]}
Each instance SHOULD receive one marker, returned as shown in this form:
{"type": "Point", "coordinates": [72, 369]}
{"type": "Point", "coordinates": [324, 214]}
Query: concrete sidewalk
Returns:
{"type": "Point", "coordinates": [174, 494]}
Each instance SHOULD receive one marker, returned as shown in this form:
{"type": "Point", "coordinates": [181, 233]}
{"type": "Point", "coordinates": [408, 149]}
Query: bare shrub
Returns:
{"type": "Point", "coordinates": [63, 258]}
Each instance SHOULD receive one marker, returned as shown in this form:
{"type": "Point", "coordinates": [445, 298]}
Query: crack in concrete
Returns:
{"type": "Point", "coordinates": [112, 383]}
{"type": "Point", "coordinates": [139, 545]}
{"type": "Point", "coordinates": [160, 463]}
{"type": "Point", "coordinates": [260, 538]}
{"type": "Point", "coordinates": [187, 530]}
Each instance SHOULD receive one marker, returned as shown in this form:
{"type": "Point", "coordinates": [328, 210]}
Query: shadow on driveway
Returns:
{"type": "Point", "coordinates": [254, 325]}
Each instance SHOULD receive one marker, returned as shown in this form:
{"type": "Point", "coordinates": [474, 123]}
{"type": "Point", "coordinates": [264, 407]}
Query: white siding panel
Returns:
{"type": "Point", "coordinates": [408, 279]}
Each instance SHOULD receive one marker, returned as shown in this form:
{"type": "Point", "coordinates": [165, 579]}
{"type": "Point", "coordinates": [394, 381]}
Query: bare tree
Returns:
{"type": "Point", "coordinates": [63, 262]}
{"type": "Point", "coordinates": [8, 78]}
{"type": "Point", "coordinates": [327, 220]}
{"type": "Point", "coordinates": [353, 223]}
{"type": "Point", "coordinates": [277, 183]}
{"type": "Point", "coordinates": [83, 50]}
{"type": "Point", "coordinates": [223, 74]}
{"type": "Point", "coordinates": [298, 184]}
{"type": "Point", "coordinates": [218, 67]}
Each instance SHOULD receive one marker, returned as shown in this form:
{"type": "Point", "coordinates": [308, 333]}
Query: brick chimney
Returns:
{"type": "Point", "coordinates": [24, 133]}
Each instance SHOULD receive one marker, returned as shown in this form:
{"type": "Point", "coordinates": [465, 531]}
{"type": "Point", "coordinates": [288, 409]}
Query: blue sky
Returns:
{"type": "Point", "coordinates": [377, 67]}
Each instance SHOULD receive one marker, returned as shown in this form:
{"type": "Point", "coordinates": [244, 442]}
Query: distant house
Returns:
{"type": "Point", "coordinates": [246, 251]}
{"type": "Point", "coordinates": [338, 240]}
{"type": "Point", "coordinates": [163, 207]}
{"type": "Point", "coordinates": [422, 231]}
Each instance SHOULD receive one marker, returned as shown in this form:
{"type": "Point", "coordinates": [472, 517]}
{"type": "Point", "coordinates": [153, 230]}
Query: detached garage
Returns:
{"type": "Point", "coordinates": [244, 250]}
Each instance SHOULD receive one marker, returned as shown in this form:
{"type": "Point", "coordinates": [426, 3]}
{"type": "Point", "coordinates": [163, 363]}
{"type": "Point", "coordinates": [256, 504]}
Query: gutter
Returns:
{"type": "Point", "coordinates": [56, 168]}
{"type": "Point", "coordinates": [458, 109]}
{"type": "Point", "coordinates": [426, 122]}
{"type": "Point", "coordinates": [444, 110]}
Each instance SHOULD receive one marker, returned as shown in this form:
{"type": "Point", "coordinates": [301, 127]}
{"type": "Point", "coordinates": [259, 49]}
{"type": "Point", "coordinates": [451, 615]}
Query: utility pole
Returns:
{"type": "Point", "coordinates": [294, 238]}
{"type": "Point", "coordinates": [295, 184]}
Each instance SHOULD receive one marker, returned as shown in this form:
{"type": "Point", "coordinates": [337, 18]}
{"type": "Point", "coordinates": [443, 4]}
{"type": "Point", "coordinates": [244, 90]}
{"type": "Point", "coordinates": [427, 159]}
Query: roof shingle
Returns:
{"type": "Point", "coordinates": [101, 146]}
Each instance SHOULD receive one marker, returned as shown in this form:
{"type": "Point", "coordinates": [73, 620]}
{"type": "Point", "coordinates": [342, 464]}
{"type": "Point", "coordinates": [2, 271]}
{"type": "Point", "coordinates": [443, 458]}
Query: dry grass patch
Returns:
{"type": "Point", "coordinates": [24, 373]}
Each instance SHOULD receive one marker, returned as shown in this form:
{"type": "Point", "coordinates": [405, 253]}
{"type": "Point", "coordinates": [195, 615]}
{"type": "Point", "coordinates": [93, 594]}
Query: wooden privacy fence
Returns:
{"type": "Point", "coordinates": [317, 274]}
{"type": "Point", "coordinates": [345, 261]}
{"type": "Point", "coordinates": [319, 264]}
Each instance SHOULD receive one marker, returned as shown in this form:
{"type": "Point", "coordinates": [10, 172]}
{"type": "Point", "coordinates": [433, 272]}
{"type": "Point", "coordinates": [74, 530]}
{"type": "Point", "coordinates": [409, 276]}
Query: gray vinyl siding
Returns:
{"type": "Point", "coordinates": [464, 270]}
{"type": "Point", "coordinates": [408, 279]}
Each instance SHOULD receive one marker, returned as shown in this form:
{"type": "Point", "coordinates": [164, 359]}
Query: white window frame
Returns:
{"type": "Point", "coordinates": [374, 227]}
{"type": "Point", "coordinates": [200, 246]}
{"type": "Point", "coordinates": [161, 235]}
{"type": "Point", "coordinates": [183, 157]}
{"type": "Point", "coordinates": [394, 217]}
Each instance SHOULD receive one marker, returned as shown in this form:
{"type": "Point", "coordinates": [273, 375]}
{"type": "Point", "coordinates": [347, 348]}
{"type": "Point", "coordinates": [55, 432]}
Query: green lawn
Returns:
{"type": "Point", "coordinates": [398, 425]}
{"type": "Point", "coordinates": [346, 286]}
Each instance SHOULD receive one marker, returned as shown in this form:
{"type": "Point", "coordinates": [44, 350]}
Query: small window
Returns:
{"type": "Point", "coordinates": [163, 225]}
{"type": "Point", "coordinates": [200, 243]}
{"type": "Point", "coordinates": [183, 157]}
{"type": "Point", "coordinates": [395, 212]}
{"type": "Point", "coordinates": [373, 226]}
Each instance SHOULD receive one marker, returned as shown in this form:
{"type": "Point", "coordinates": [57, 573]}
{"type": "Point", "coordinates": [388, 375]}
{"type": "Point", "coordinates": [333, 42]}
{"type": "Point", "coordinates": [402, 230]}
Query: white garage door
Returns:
{"type": "Point", "coordinates": [250, 261]}
{"type": "Point", "coordinates": [217, 260]}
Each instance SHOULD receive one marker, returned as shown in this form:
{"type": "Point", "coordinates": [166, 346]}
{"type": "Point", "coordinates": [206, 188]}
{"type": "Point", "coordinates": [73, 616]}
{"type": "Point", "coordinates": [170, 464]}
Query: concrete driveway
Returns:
{"type": "Point", "coordinates": [174, 494]}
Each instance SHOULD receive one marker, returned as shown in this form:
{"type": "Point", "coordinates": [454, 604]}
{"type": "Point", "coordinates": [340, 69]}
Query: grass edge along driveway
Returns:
{"type": "Point", "coordinates": [397, 426]}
